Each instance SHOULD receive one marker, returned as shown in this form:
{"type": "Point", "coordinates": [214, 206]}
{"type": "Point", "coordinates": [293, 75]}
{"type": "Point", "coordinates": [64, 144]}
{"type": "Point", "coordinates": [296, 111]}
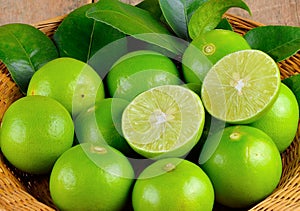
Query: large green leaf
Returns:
{"type": "Point", "coordinates": [280, 42]}
{"type": "Point", "coordinates": [209, 15]}
{"type": "Point", "coordinates": [293, 83]}
{"type": "Point", "coordinates": [151, 6]}
{"type": "Point", "coordinates": [81, 37]}
{"type": "Point", "coordinates": [224, 24]}
{"type": "Point", "coordinates": [135, 22]}
{"type": "Point", "coordinates": [178, 13]}
{"type": "Point", "coordinates": [23, 50]}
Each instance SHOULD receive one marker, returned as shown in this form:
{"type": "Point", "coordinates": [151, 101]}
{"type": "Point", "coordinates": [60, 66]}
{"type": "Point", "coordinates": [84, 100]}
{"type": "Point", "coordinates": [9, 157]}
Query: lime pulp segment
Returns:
{"type": "Point", "coordinates": [162, 120]}
{"type": "Point", "coordinates": [241, 86]}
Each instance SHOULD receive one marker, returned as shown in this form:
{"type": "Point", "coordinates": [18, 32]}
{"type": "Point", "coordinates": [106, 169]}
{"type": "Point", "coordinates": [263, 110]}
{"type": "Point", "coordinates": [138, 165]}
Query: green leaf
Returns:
{"type": "Point", "coordinates": [293, 83]}
{"type": "Point", "coordinates": [224, 24]}
{"type": "Point", "coordinates": [209, 14]}
{"type": "Point", "coordinates": [151, 6]}
{"type": "Point", "coordinates": [280, 42]}
{"type": "Point", "coordinates": [81, 37]}
{"type": "Point", "coordinates": [135, 22]}
{"type": "Point", "coordinates": [23, 50]}
{"type": "Point", "coordinates": [178, 13]}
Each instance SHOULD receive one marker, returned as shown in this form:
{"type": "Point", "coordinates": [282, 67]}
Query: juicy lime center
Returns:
{"type": "Point", "coordinates": [159, 117]}
{"type": "Point", "coordinates": [163, 119]}
{"type": "Point", "coordinates": [161, 126]}
{"type": "Point", "coordinates": [239, 82]}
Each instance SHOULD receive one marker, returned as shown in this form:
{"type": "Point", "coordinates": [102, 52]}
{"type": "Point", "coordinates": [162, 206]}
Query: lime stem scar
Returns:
{"type": "Point", "coordinates": [99, 150]}
{"type": "Point", "coordinates": [235, 136]}
{"type": "Point", "coordinates": [209, 49]}
{"type": "Point", "coordinates": [169, 167]}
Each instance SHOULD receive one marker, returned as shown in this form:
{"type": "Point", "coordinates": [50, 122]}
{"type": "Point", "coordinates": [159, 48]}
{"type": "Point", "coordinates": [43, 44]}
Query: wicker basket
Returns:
{"type": "Point", "coordinates": [20, 191]}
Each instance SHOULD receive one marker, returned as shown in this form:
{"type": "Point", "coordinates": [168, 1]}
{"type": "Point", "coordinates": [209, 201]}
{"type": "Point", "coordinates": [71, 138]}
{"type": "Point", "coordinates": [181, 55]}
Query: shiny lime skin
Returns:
{"type": "Point", "coordinates": [139, 71]}
{"type": "Point", "coordinates": [75, 84]}
{"type": "Point", "coordinates": [91, 177]}
{"type": "Point", "coordinates": [243, 164]}
{"type": "Point", "coordinates": [35, 131]}
{"type": "Point", "coordinates": [206, 50]}
{"type": "Point", "coordinates": [173, 184]}
{"type": "Point", "coordinates": [101, 123]}
{"type": "Point", "coordinates": [281, 121]}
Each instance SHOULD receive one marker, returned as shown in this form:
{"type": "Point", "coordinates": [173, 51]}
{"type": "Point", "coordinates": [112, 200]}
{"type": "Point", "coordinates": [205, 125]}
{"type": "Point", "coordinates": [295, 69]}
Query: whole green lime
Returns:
{"type": "Point", "coordinates": [102, 124]}
{"type": "Point", "coordinates": [91, 177]}
{"type": "Point", "coordinates": [206, 50]}
{"type": "Point", "coordinates": [35, 131]}
{"type": "Point", "coordinates": [243, 164]}
{"type": "Point", "coordinates": [139, 71]}
{"type": "Point", "coordinates": [73, 83]}
{"type": "Point", "coordinates": [173, 184]}
{"type": "Point", "coordinates": [281, 120]}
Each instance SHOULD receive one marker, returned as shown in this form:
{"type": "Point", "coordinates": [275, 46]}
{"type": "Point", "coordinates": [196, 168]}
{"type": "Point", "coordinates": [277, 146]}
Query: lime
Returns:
{"type": "Point", "coordinates": [173, 184]}
{"type": "Point", "coordinates": [206, 50]}
{"type": "Point", "coordinates": [241, 87]}
{"type": "Point", "coordinates": [101, 123]}
{"type": "Point", "coordinates": [164, 121]}
{"type": "Point", "coordinates": [73, 83]}
{"type": "Point", "coordinates": [139, 71]}
{"type": "Point", "coordinates": [91, 177]}
{"type": "Point", "coordinates": [243, 164]}
{"type": "Point", "coordinates": [35, 131]}
{"type": "Point", "coordinates": [211, 126]}
{"type": "Point", "coordinates": [281, 121]}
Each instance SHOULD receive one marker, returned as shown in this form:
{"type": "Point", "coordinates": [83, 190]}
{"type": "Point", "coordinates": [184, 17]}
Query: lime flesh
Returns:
{"type": "Point", "coordinates": [241, 86]}
{"type": "Point", "coordinates": [206, 50]}
{"type": "Point", "coordinates": [164, 121]}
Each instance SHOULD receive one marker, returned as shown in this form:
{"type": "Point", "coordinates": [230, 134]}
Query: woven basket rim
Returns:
{"type": "Point", "coordinates": [12, 184]}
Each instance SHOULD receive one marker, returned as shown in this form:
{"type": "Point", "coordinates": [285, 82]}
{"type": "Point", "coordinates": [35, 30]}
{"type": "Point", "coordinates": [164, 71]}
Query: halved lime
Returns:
{"type": "Point", "coordinates": [165, 121]}
{"type": "Point", "coordinates": [241, 86]}
{"type": "Point", "coordinates": [206, 50]}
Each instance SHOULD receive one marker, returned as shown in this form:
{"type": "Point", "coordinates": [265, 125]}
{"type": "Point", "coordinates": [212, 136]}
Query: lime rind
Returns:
{"type": "Point", "coordinates": [102, 156]}
{"type": "Point", "coordinates": [135, 54]}
{"type": "Point", "coordinates": [164, 121]}
{"type": "Point", "coordinates": [241, 86]}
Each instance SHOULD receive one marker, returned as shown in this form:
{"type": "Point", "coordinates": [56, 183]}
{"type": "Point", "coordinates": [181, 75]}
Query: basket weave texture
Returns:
{"type": "Point", "coordinates": [20, 191]}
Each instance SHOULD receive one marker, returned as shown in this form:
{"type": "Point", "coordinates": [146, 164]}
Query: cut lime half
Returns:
{"type": "Point", "coordinates": [165, 121]}
{"type": "Point", "coordinates": [241, 86]}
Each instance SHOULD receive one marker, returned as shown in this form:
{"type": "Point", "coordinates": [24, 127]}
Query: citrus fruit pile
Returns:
{"type": "Point", "coordinates": [145, 122]}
